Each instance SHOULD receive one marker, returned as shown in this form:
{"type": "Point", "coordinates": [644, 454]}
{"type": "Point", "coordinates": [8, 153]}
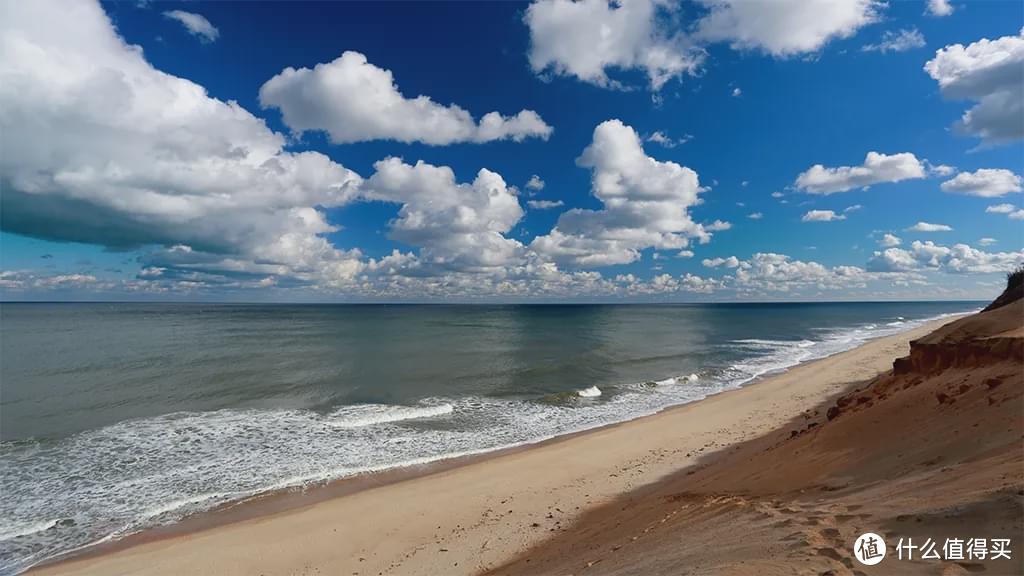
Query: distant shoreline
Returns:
{"type": "Point", "coordinates": [476, 303]}
{"type": "Point", "coordinates": [259, 514]}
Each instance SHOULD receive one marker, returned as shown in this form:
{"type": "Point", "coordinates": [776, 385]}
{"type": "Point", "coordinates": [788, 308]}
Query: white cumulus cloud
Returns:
{"type": "Point", "coordinates": [116, 153]}
{"type": "Point", "coordinates": [785, 28]}
{"type": "Point", "coordinates": [645, 202]}
{"type": "Point", "coordinates": [456, 226]}
{"type": "Point", "coordinates": [929, 227]}
{"type": "Point", "coordinates": [586, 39]}
{"type": "Point", "coordinates": [821, 216]}
{"type": "Point", "coordinates": [767, 271]}
{"type": "Point", "coordinates": [959, 258]}
{"type": "Point", "coordinates": [1012, 212]}
{"type": "Point", "coordinates": [939, 8]}
{"type": "Point", "coordinates": [889, 240]}
{"type": "Point", "coordinates": [986, 183]}
{"type": "Point", "coordinates": [991, 73]}
{"type": "Point", "coordinates": [730, 262]}
{"type": "Point", "coordinates": [877, 168]}
{"type": "Point", "coordinates": [354, 101]}
{"type": "Point", "coordinates": [1000, 209]}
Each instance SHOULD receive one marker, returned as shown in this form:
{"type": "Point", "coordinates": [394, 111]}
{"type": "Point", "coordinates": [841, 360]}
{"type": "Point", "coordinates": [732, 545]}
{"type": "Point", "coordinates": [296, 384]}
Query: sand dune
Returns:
{"type": "Point", "coordinates": [932, 449]}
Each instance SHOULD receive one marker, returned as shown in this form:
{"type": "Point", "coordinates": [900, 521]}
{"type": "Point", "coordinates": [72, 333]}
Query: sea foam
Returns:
{"type": "Point", "coordinates": [371, 414]}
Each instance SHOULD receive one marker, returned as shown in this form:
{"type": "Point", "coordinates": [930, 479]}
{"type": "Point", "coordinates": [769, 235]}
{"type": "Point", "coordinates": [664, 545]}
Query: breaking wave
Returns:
{"type": "Point", "coordinates": [370, 414]}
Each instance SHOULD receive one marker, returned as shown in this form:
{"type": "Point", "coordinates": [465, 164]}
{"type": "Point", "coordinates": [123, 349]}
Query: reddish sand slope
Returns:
{"type": "Point", "coordinates": [933, 449]}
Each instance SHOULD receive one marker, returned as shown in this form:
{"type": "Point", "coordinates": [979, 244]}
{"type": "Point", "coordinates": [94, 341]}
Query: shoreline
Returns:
{"type": "Point", "coordinates": [930, 449]}
{"type": "Point", "coordinates": [291, 504]}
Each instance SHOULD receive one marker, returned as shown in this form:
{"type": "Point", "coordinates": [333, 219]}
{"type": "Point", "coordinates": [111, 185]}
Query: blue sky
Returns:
{"type": "Point", "coordinates": [677, 150]}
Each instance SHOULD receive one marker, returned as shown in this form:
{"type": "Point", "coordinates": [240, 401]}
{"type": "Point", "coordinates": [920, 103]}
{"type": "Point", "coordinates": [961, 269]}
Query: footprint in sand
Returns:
{"type": "Point", "coordinates": [829, 553]}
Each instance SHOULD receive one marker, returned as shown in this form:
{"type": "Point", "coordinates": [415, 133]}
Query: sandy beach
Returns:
{"type": "Point", "coordinates": [925, 455]}
{"type": "Point", "coordinates": [477, 517]}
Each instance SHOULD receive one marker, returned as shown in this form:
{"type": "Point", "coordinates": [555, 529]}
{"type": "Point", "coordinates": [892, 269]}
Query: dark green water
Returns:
{"type": "Point", "coordinates": [115, 417]}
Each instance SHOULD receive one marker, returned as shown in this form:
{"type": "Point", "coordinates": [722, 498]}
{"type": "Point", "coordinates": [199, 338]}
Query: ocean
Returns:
{"type": "Point", "coordinates": [119, 417]}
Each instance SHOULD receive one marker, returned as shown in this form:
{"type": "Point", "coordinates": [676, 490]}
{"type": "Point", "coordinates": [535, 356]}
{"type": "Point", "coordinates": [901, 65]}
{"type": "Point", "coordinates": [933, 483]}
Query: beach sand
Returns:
{"type": "Point", "coordinates": [932, 450]}
{"type": "Point", "coordinates": [522, 511]}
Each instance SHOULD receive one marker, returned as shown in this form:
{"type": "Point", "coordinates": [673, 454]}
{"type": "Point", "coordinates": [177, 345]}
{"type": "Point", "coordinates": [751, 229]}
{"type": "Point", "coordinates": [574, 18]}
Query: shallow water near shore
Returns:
{"type": "Point", "coordinates": [119, 417]}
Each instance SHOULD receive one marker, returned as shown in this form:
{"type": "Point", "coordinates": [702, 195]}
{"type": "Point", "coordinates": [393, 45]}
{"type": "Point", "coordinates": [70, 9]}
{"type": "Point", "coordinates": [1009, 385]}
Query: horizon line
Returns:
{"type": "Point", "coordinates": [488, 303]}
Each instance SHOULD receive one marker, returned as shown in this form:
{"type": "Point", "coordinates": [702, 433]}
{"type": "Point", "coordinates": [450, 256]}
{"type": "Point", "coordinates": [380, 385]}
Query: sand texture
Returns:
{"type": "Point", "coordinates": [932, 449]}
